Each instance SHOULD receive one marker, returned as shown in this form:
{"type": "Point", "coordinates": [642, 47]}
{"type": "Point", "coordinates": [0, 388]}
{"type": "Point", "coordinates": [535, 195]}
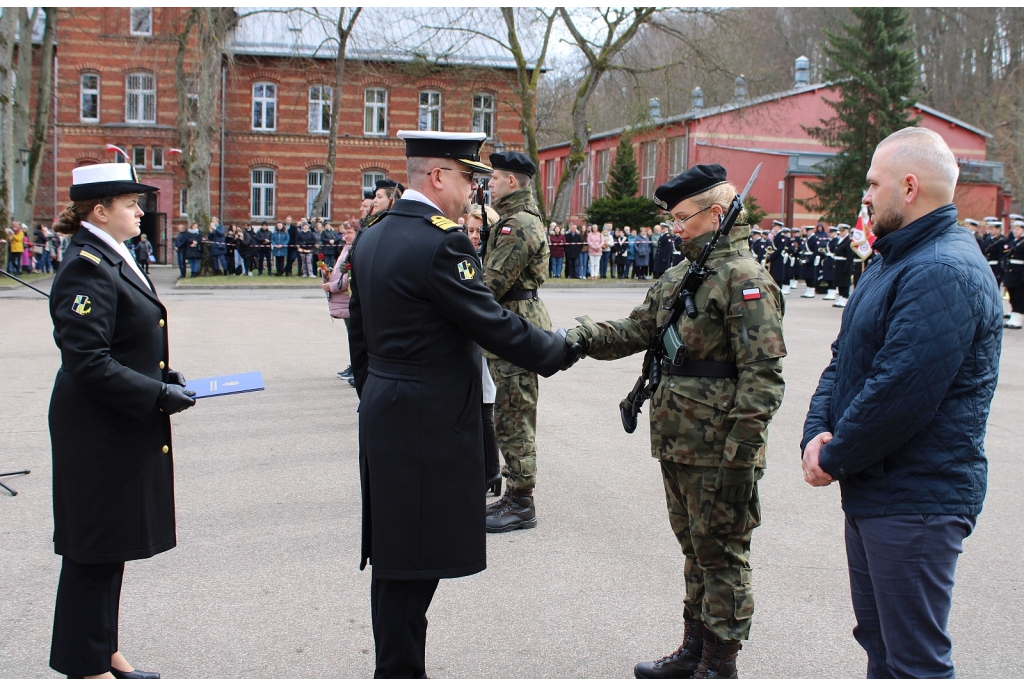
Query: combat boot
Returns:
{"type": "Point", "coordinates": [682, 662]}
{"type": "Point", "coordinates": [718, 659]}
{"type": "Point", "coordinates": [497, 504]}
{"type": "Point", "coordinates": [518, 512]}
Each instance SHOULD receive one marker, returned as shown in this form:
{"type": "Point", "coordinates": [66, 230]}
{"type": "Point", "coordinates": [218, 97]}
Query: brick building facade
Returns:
{"type": "Point", "coordinates": [116, 85]}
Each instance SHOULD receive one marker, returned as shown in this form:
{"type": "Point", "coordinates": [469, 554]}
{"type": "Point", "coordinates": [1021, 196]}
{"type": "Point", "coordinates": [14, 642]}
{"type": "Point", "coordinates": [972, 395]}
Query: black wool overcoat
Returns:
{"type": "Point", "coordinates": [113, 479]}
{"type": "Point", "coordinates": [419, 314]}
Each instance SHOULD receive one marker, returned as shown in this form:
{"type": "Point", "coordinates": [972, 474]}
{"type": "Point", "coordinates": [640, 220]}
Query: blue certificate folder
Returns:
{"type": "Point", "coordinates": [226, 385]}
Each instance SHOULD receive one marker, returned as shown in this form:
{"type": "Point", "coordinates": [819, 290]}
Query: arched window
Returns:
{"type": "Point", "coordinates": [140, 98]}
{"type": "Point", "coordinates": [90, 101]}
{"type": "Point", "coordinates": [264, 182]}
{"type": "Point", "coordinates": [264, 107]}
{"type": "Point", "coordinates": [370, 178]}
{"type": "Point", "coordinates": [314, 182]}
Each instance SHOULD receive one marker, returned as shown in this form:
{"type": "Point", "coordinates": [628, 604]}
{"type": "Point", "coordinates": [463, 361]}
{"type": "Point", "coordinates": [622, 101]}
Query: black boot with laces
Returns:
{"type": "Point", "coordinates": [681, 663]}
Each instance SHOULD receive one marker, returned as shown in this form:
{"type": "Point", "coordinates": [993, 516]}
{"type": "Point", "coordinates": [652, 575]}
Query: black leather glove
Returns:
{"type": "Point", "coordinates": [176, 377]}
{"type": "Point", "coordinates": [174, 398]}
{"type": "Point", "coordinates": [573, 351]}
{"type": "Point", "coordinates": [581, 335]}
{"type": "Point", "coordinates": [735, 485]}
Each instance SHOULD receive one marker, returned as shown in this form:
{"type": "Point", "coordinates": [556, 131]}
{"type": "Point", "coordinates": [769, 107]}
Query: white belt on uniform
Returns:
{"type": "Point", "coordinates": [993, 262]}
{"type": "Point", "coordinates": [1015, 261]}
{"type": "Point", "coordinates": [839, 259]}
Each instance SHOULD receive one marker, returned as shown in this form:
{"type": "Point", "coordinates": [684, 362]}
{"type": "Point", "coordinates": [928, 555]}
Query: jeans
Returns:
{"type": "Point", "coordinates": [901, 579]}
{"type": "Point", "coordinates": [220, 262]}
{"type": "Point", "coordinates": [556, 266]}
{"type": "Point", "coordinates": [181, 263]}
{"type": "Point", "coordinates": [581, 264]}
{"type": "Point", "coordinates": [629, 268]}
{"type": "Point", "coordinates": [193, 266]}
{"type": "Point", "coordinates": [14, 263]}
{"type": "Point", "coordinates": [604, 263]}
{"type": "Point", "coordinates": [43, 262]}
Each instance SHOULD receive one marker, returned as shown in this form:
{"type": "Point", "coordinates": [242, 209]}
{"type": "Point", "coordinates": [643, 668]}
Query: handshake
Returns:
{"type": "Point", "coordinates": [577, 344]}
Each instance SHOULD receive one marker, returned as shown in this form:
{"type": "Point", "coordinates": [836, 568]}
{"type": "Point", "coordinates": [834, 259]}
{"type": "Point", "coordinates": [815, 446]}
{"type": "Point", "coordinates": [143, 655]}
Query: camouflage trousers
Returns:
{"type": "Point", "coordinates": [715, 537]}
{"type": "Point", "coordinates": [515, 421]}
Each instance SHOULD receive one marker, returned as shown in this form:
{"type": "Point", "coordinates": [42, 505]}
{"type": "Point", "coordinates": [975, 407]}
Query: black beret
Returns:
{"type": "Point", "coordinates": [367, 194]}
{"type": "Point", "coordinates": [693, 181]}
{"type": "Point", "coordinates": [389, 184]}
{"type": "Point", "coordinates": [513, 161]}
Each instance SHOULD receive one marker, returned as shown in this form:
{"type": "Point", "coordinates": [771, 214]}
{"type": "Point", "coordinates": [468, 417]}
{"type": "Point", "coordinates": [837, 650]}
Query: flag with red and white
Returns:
{"type": "Point", "coordinates": [114, 148]}
{"type": "Point", "coordinates": [751, 294]}
{"type": "Point", "coordinates": [861, 237]}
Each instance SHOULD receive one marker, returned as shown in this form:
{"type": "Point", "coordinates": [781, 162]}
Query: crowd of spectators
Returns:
{"type": "Point", "coordinates": [36, 253]}
{"type": "Point", "coordinates": [592, 252]}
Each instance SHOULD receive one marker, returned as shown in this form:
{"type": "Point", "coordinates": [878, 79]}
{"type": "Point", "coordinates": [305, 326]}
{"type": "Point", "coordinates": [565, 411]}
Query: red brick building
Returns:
{"type": "Point", "coordinates": [767, 130]}
{"type": "Point", "coordinates": [116, 85]}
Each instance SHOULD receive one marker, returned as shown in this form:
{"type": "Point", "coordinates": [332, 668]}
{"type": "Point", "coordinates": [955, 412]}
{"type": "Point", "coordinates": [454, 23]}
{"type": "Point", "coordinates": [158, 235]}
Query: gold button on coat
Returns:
{"type": "Point", "coordinates": [165, 449]}
{"type": "Point", "coordinates": [162, 365]}
{"type": "Point", "coordinates": [161, 323]}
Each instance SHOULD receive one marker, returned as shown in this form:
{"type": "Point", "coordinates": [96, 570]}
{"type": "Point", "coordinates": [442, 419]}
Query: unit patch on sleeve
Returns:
{"type": "Point", "coordinates": [466, 270]}
{"type": "Point", "coordinates": [82, 305]}
{"type": "Point", "coordinates": [505, 230]}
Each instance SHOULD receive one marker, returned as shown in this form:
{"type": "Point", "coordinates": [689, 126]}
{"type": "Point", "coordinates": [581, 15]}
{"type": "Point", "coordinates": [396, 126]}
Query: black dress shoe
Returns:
{"type": "Point", "coordinates": [136, 674]}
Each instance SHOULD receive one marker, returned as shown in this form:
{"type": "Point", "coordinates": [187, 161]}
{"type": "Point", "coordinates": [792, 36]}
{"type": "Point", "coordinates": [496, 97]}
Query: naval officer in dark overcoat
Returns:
{"type": "Point", "coordinates": [110, 428]}
{"type": "Point", "coordinates": [419, 314]}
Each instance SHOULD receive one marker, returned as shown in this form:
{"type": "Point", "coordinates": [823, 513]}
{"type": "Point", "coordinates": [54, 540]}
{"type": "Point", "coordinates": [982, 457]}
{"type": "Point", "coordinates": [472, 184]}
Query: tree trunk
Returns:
{"type": "Point", "coordinates": [344, 31]}
{"type": "Point", "coordinates": [8, 25]}
{"type": "Point", "coordinates": [580, 136]}
{"type": "Point", "coordinates": [22, 109]}
{"type": "Point", "coordinates": [41, 125]}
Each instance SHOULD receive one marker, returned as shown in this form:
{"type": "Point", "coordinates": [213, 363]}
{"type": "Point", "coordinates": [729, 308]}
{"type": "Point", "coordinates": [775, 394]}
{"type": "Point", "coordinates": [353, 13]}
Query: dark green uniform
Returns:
{"type": "Point", "coordinates": [514, 268]}
{"type": "Point", "coordinates": [699, 424]}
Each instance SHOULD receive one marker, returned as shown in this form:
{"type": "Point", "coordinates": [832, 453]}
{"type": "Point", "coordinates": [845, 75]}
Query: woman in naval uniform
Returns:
{"type": "Point", "coordinates": [110, 428]}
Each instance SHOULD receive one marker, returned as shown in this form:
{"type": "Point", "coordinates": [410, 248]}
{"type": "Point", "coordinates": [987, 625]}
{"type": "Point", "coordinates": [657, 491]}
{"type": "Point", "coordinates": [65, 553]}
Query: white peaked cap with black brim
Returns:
{"type": "Point", "coordinates": [105, 180]}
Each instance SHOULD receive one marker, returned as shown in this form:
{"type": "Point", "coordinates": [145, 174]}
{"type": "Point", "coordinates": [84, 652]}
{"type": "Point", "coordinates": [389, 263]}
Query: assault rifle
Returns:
{"type": "Point", "coordinates": [485, 229]}
{"type": "Point", "coordinates": [666, 342]}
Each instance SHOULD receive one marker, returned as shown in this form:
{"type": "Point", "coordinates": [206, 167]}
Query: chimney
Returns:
{"type": "Point", "coordinates": [801, 72]}
{"type": "Point", "coordinates": [698, 98]}
{"type": "Point", "coordinates": [741, 88]}
{"type": "Point", "coordinates": [654, 104]}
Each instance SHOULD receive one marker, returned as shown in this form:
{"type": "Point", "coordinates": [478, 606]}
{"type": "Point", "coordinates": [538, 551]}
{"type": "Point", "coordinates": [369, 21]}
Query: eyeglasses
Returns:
{"type": "Point", "coordinates": [678, 223]}
{"type": "Point", "coordinates": [469, 174]}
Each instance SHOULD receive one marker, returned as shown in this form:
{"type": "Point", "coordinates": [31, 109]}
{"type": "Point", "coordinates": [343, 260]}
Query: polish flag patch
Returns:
{"type": "Point", "coordinates": [751, 294]}
{"type": "Point", "coordinates": [505, 230]}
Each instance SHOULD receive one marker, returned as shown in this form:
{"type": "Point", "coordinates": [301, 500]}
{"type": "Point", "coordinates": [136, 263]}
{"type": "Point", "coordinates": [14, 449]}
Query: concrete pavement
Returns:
{"type": "Point", "coordinates": [265, 581]}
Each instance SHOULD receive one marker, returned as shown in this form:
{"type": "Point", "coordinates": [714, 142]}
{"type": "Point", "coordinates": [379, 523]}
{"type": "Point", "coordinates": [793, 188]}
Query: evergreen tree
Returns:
{"type": "Point", "coordinates": [875, 75]}
{"type": "Point", "coordinates": [623, 178]}
{"type": "Point", "coordinates": [621, 207]}
{"type": "Point", "coordinates": [752, 212]}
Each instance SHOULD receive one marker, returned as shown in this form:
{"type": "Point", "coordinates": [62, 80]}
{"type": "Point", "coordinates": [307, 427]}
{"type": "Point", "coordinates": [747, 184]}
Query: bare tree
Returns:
{"type": "Point", "coordinates": [344, 32]}
{"type": "Point", "coordinates": [620, 26]}
{"type": "Point", "coordinates": [8, 27]}
{"type": "Point", "coordinates": [22, 114]}
{"type": "Point", "coordinates": [197, 70]}
{"type": "Point", "coordinates": [41, 123]}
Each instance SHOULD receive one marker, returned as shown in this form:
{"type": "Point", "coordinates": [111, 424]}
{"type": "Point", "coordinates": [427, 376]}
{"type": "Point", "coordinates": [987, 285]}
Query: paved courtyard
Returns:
{"type": "Point", "coordinates": [265, 580]}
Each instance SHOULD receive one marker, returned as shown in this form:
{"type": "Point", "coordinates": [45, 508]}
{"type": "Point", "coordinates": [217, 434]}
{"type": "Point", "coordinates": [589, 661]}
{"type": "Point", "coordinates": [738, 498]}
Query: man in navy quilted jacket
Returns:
{"type": "Point", "coordinates": [899, 414]}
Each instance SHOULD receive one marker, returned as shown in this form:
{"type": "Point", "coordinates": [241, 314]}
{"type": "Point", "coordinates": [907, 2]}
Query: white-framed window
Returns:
{"type": "Point", "coordinates": [676, 156]}
{"type": "Point", "coordinates": [602, 171]}
{"type": "Point", "coordinates": [158, 158]}
{"type": "Point", "coordinates": [375, 109]}
{"type": "Point", "coordinates": [263, 185]}
{"type": "Point", "coordinates": [90, 101]}
{"type": "Point", "coordinates": [139, 157]}
{"type": "Point", "coordinates": [118, 157]}
{"type": "Point", "coordinates": [320, 98]}
{"type": "Point", "coordinates": [649, 152]}
{"type": "Point", "coordinates": [430, 110]}
{"type": "Point", "coordinates": [370, 179]}
{"type": "Point", "coordinates": [264, 107]}
{"type": "Point", "coordinates": [549, 190]}
{"type": "Point", "coordinates": [314, 182]}
{"type": "Point", "coordinates": [483, 114]}
{"type": "Point", "coordinates": [183, 201]}
{"type": "Point", "coordinates": [583, 192]}
{"type": "Point", "coordinates": [140, 98]}
{"type": "Point", "coordinates": [141, 21]}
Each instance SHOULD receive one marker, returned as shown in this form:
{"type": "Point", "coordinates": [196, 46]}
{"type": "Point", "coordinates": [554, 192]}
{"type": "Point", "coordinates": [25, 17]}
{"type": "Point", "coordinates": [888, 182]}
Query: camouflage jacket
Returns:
{"type": "Point", "coordinates": [518, 255]}
{"type": "Point", "coordinates": [699, 421]}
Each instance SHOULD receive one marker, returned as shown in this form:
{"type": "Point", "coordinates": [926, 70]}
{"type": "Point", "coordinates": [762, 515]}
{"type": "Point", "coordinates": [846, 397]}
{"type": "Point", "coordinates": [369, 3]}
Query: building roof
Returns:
{"type": "Point", "coordinates": [381, 34]}
{"type": "Point", "coordinates": [702, 112]}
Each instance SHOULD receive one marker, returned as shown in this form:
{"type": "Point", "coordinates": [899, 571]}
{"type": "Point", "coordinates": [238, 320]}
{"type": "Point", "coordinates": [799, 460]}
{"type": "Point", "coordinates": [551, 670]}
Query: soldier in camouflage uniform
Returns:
{"type": "Point", "coordinates": [709, 417]}
{"type": "Point", "coordinates": [515, 266]}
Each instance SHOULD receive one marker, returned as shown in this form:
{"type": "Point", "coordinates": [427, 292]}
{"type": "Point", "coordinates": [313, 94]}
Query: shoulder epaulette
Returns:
{"type": "Point", "coordinates": [441, 221]}
{"type": "Point", "coordinates": [90, 256]}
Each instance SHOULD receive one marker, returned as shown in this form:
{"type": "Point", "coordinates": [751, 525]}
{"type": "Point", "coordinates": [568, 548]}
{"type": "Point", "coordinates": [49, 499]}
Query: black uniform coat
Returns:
{"type": "Point", "coordinates": [845, 256]}
{"type": "Point", "coordinates": [777, 260]}
{"type": "Point", "coordinates": [1013, 275]}
{"type": "Point", "coordinates": [418, 309]}
{"type": "Point", "coordinates": [113, 479]}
